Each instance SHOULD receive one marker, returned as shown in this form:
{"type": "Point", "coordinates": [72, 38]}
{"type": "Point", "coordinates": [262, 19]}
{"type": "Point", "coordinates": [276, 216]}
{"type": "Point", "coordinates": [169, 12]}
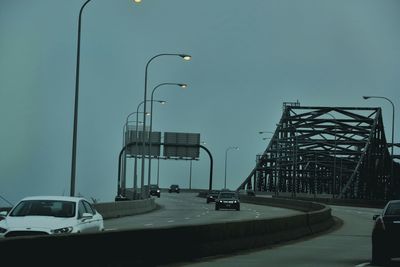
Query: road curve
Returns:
{"type": "Point", "coordinates": [187, 208]}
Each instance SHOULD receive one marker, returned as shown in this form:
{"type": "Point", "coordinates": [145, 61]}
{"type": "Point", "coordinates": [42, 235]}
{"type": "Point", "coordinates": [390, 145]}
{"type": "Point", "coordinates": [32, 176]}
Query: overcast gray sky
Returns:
{"type": "Point", "coordinates": [248, 58]}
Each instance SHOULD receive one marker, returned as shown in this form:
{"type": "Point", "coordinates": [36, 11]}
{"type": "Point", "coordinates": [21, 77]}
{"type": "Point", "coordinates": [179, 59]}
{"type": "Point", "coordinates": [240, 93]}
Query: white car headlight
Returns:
{"type": "Point", "coordinates": [63, 230]}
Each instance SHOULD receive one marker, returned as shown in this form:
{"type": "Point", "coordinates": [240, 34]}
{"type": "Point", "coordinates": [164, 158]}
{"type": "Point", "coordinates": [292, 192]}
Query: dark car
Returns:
{"type": "Point", "coordinates": [212, 196]}
{"type": "Point", "coordinates": [227, 200]}
{"type": "Point", "coordinates": [155, 190]}
{"type": "Point", "coordinates": [386, 232]}
{"type": "Point", "coordinates": [174, 188]}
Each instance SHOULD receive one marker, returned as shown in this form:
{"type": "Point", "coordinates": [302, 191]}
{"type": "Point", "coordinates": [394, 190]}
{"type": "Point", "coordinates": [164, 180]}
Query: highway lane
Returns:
{"type": "Point", "coordinates": [346, 246]}
{"type": "Point", "coordinates": [187, 208]}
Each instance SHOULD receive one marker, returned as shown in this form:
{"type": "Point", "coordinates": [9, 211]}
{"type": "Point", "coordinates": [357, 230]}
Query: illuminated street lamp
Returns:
{"type": "Point", "coordinates": [226, 159]}
{"type": "Point", "coordinates": [184, 57]}
{"type": "Point", "coordinates": [181, 85]}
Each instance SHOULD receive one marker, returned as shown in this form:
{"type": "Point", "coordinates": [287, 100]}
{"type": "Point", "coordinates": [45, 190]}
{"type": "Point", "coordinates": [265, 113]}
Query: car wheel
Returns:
{"type": "Point", "coordinates": [238, 208]}
{"type": "Point", "coordinates": [208, 201]}
{"type": "Point", "coordinates": [216, 207]}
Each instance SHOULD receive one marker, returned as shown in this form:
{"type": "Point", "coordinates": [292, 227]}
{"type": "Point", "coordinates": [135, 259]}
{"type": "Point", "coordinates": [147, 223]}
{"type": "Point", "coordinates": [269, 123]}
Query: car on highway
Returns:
{"type": "Point", "coordinates": [155, 190]}
{"type": "Point", "coordinates": [227, 200]}
{"type": "Point", "coordinates": [385, 233]}
{"type": "Point", "coordinates": [174, 188]}
{"type": "Point", "coordinates": [212, 196]}
{"type": "Point", "coordinates": [50, 215]}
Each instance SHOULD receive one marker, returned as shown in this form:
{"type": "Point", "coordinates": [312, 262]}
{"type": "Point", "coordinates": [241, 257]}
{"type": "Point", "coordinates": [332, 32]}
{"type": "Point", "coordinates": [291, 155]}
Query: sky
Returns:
{"type": "Point", "coordinates": [248, 57]}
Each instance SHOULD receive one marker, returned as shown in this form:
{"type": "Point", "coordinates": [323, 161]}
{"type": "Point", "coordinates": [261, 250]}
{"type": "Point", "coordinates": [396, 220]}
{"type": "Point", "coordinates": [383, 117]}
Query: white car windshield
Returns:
{"type": "Point", "coordinates": [56, 208]}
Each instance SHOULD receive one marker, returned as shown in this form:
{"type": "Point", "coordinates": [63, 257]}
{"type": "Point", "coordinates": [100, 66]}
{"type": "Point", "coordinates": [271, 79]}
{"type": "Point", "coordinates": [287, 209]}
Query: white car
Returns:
{"type": "Point", "coordinates": [49, 215]}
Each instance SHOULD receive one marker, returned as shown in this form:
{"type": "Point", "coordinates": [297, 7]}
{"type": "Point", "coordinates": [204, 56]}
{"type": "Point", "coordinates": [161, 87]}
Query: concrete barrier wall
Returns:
{"type": "Point", "coordinates": [125, 208]}
{"type": "Point", "coordinates": [151, 247]}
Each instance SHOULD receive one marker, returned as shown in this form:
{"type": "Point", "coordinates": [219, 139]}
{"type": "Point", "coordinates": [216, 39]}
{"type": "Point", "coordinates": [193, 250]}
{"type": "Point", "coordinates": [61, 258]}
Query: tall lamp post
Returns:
{"type": "Point", "coordinates": [75, 131]}
{"type": "Point", "coordinates": [76, 102]}
{"type": "Point", "coordinates": [226, 159]}
{"type": "Point", "coordinates": [391, 163]}
{"type": "Point", "coordinates": [124, 138]}
{"type": "Point", "coordinates": [181, 85]}
{"type": "Point", "coordinates": [334, 157]}
{"type": "Point", "coordinates": [137, 138]}
{"type": "Point", "coordinates": [183, 56]}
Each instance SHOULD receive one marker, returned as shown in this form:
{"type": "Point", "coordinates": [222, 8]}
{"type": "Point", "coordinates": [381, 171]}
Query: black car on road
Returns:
{"type": "Point", "coordinates": [155, 190]}
{"type": "Point", "coordinates": [385, 233]}
{"type": "Point", "coordinates": [212, 195]}
{"type": "Point", "coordinates": [174, 188]}
{"type": "Point", "coordinates": [227, 200]}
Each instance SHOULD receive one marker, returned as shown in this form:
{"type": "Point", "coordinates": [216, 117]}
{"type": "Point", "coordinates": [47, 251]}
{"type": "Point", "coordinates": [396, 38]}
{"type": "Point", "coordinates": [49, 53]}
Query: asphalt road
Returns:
{"type": "Point", "coordinates": [347, 245]}
{"type": "Point", "coordinates": [186, 208]}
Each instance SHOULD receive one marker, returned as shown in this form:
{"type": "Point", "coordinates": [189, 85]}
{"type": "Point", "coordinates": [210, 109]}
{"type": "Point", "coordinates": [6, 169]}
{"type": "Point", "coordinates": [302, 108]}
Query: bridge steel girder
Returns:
{"type": "Point", "coordinates": [338, 151]}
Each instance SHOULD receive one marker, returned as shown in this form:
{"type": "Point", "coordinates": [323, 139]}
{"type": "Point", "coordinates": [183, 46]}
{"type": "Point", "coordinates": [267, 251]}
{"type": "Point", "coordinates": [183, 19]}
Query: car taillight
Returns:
{"type": "Point", "coordinates": [380, 225]}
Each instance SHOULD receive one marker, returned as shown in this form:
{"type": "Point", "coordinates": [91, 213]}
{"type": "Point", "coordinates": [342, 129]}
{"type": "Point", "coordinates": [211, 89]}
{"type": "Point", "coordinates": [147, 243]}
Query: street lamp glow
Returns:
{"type": "Point", "coordinates": [186, 57]}
{"type": "Point", "coordinates": [137, 1]}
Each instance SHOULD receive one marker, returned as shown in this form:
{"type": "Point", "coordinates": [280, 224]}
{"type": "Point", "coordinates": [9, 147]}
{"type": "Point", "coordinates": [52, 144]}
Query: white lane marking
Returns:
{"type": "Point", "coordinates": [362, 264]}
{"type": "Point", "coordinates": [187, 218]}
{"type": "Point", "coordinates": [170, 221]}
{"type": "Point", "coordinates": [148, 224]}
{"type": "Point", "coordinates": [203, 213]}
{"type": "Point", "coordinates": [198, 215]}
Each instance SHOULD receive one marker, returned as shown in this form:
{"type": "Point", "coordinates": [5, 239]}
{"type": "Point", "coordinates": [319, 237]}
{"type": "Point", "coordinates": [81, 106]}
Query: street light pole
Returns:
{"type": "Point", "coordinates": [185, 57]}
{"type": "Point", "coordinates": [76, 102]}
{"type": "Point", "coordinates": [124, 143]}
{"type": "Point", "coordinates": [137, 138]}
{"type": "Point", "coordinates": [226, 159]}
{"type": "Point", "coordinates": [334, 158]}
{"type": "Point", "coordinates": [182, 85]}
{"type": "Point", "coordinates": [75, 130]}
{"type": "Point", "coordinates": [391, 163]}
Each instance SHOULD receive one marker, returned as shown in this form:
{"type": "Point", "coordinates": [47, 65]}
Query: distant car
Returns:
{"type": "Point", "coordinates": [50, 215]}
{"type": "Point", "coordinates": [174, 188]}
{"type": "Point", "coordinates": [385, 233]}
{"type": "Point", "coordinates": [155, 190]}
{"type": "Point", "coordinates": [212, 195]}
{"type": "Point", "coordinates": [227, 200]}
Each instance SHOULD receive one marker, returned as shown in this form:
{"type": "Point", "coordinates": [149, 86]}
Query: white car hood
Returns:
{"type": "Point", "coordinates": [37, 222]}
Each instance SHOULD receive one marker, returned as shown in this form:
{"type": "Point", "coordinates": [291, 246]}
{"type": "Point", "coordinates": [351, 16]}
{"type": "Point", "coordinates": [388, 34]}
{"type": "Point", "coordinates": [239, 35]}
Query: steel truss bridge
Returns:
{"type": "Point", "coordinates": [341, 152]}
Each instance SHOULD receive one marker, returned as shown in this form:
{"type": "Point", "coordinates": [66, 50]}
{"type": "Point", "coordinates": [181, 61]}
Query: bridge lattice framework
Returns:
{"type": "Point", "coordinates": [336, 151]}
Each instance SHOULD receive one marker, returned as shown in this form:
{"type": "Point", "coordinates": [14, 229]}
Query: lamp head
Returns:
{"type": "Point", "coordinates": [366, 97]}
{"type": "Point", "coordinates": [162, 102]}
{"type": "Point", "coordinates": [147, 113]}
{"type": "Point", "coordinates": [186, 57]}
{"type": "Point", "coordinates": [182, 85]}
